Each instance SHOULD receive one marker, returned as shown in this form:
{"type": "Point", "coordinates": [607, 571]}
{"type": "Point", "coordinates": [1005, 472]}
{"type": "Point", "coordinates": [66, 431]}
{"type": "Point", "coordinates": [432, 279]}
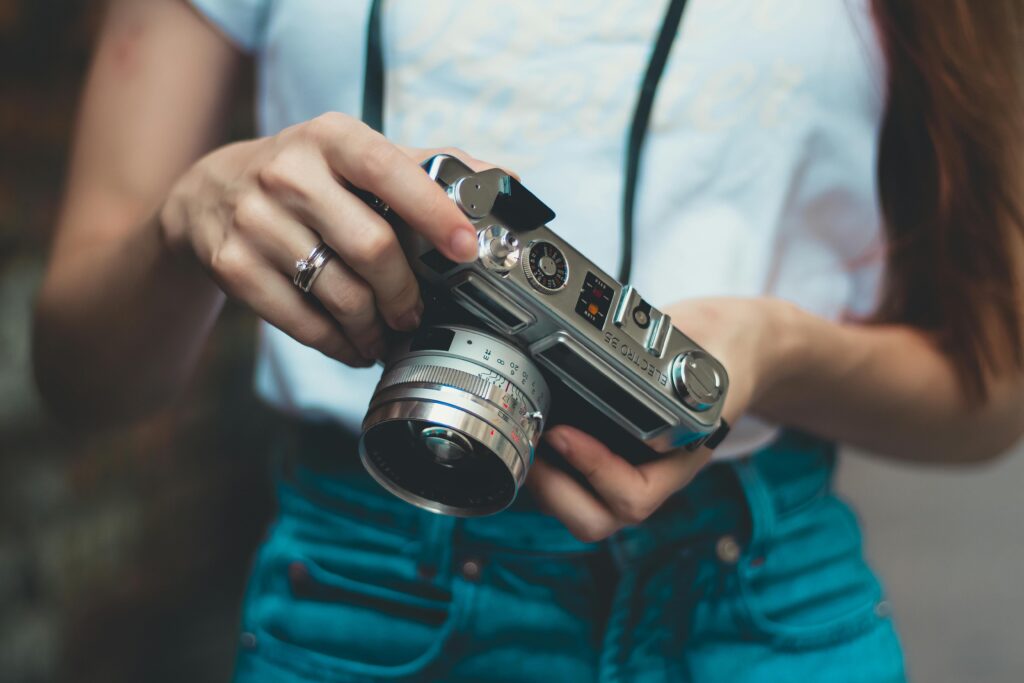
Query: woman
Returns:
{"type": "Point", "coordinates": [891, 320]}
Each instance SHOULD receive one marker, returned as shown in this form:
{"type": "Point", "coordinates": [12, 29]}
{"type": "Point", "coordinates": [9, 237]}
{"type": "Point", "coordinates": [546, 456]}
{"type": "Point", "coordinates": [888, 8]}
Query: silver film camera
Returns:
{"type": "Point", "coordinates": [530, 334]}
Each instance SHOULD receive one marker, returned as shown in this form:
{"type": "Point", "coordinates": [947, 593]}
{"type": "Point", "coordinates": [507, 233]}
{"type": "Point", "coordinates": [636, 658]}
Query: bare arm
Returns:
{"type": "Point", "coordinates": [119, 319]}
{"type": "Point", "coordinates": [891, 390]}
{"type": "Point", "coordinates": [157, 228]}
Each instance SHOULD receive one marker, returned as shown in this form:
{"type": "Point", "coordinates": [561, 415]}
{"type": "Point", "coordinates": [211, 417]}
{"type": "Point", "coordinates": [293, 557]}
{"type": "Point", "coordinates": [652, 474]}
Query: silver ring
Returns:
{"type": "Point", "coordinates": [307, 270]}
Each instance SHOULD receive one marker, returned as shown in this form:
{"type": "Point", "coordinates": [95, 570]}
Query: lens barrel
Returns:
{"type": "Point", "coordinates": [454, 422]}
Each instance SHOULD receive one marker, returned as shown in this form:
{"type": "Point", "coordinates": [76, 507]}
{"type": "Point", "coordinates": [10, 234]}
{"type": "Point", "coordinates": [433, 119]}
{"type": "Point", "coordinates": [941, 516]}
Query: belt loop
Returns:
{"type": "Point", "coordinates": [759, 500]}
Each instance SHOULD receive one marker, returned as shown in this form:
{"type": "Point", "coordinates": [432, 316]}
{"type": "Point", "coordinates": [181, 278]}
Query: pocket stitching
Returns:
{"type": "Point", "coordinates": [313, 662]}
{"type": "Point", "coordinates": [855, 622]}
{"type": "Point", "coordinates": [334, 580]}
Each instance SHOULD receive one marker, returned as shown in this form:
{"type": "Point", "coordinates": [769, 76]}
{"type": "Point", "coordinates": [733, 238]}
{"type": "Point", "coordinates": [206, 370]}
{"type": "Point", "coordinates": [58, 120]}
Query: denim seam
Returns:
{"type": "Point", "coordinates": [296, 659]}
{"type": "Point", "coordinates": [762, 510]}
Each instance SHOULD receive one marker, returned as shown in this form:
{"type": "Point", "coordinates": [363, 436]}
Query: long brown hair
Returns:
{"type": "Point", "coordinates": [951, 178]}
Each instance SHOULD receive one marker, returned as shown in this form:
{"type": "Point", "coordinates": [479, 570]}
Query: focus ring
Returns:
{"type": "Point", "coordinates": [482, 388]}
{"type": "Point", "coordinates": [433, 374]}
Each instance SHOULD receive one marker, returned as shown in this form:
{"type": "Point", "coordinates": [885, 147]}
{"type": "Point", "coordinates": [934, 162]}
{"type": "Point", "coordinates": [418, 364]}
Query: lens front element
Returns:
{"type": "Point", "coordinates": [454, 422]}
{"type": "Point", "coordinates": [448, 447]}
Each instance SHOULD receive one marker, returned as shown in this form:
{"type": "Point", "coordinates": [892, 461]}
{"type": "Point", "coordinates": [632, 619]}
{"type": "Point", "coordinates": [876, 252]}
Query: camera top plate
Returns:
{"type": "Point", "coordinates": [600, 337]}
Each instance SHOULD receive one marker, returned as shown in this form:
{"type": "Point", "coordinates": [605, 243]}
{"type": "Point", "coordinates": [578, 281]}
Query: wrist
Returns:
{"type": "Point", "coordinates": [787, 336]}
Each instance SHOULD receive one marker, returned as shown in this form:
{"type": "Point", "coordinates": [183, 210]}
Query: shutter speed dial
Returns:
{"type": "Point", "coordinates": [545, 267]}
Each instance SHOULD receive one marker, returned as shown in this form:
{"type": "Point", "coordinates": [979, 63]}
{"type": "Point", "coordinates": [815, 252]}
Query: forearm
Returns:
{"type": "Point", "coordinates": [888, 389]}
{"type": "Point", "coordinates": [119, 325]}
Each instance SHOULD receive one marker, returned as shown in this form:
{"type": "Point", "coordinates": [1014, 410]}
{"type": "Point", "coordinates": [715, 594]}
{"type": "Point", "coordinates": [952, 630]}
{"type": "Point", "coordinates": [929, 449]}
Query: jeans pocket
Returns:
{"type": "Point", "coordinates": [337, 613]}
{"type": "Point", "coordinates": [811, 586]}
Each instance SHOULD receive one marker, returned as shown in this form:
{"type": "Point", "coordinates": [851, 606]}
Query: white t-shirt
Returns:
{"type": "Point", "coordinates": [758, 174]}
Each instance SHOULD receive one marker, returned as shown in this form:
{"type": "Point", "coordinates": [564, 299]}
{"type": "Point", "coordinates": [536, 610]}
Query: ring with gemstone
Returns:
{"type": "Point", "coordinates": [308, 269]}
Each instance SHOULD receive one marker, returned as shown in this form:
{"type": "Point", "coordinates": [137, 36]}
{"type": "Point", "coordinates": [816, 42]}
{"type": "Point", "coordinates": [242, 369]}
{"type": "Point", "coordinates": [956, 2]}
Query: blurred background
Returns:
{"type": "Point", "coordinates": [123, 555]}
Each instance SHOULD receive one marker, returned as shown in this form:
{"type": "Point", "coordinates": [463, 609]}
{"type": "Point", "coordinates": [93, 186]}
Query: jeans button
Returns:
{"type": "Point", "coordinates": [728, 550]}
{"type": "Point", "coordinates": [247, 640]}
{"type": "Point", "coordinates": [471, 570]}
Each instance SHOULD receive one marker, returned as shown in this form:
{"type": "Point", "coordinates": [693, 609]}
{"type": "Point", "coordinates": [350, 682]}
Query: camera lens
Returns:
{"type": "Point", "coordinates": [454, 421]}
{"type": "Point", "coordinates": [447, 447]}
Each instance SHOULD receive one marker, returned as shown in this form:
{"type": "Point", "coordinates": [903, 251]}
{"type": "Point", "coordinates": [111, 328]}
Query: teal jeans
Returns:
{"type": "Point", "coordinates": [752, 573]}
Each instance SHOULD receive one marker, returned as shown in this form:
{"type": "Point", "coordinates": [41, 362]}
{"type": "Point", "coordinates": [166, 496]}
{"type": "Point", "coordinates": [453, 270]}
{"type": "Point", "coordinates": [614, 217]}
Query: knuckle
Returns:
{"type": "Point", "coordinates": [283, 173]}
{"type": "Point", "coordinates": [371, 247]}
{"type": "Point", "coordinates": [227, 260]}
{"type": "Point", "coordinates": [326, 126]}
{"type": "Point", "coordinates": [378, 161]}
{"type": "Point", "coordinates": [250, 212]}
{"type": "Point", "coordinates": [635, 509]}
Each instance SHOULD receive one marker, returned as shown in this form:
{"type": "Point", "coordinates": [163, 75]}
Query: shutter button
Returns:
{"type": "Point", "coordinates": [498, 249]}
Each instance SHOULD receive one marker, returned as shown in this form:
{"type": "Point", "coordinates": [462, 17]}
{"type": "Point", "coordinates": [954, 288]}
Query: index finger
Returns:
{"type": "Point", "coordinates": [367, 160]}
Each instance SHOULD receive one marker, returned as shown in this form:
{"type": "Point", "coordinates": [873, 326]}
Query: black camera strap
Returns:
{"type": "Point", "coordinates": [638, 129]}
{"type": "Point", "coordinates": [373, 80]}
{"type": "Point", "coordinates": [373, 108]}
{"type": "Point", "coordinates": [373, 115]}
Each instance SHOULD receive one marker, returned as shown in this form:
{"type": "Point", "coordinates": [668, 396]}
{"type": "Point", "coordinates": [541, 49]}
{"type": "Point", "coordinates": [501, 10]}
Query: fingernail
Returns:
{"type": "Point", "coordinates": [464, 245]}
{"type": "Point", "coordinates": [409, 321]}
{"type": "Point", "coordinates": [557, 441]}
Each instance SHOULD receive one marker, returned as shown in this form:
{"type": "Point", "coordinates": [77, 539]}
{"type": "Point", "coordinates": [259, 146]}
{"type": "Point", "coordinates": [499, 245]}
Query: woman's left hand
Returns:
{"type": "Point", "coordinates": [749, 337]}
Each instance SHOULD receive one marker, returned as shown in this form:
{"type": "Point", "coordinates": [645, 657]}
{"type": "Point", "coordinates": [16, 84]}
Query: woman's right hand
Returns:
{"type": "Point", "coordinates": [249, 210]}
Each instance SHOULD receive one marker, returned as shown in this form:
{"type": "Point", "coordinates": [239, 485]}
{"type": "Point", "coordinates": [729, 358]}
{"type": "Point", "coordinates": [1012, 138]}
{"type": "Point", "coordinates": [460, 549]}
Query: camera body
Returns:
{"type": "Point", "coordinates": [552, 324]}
